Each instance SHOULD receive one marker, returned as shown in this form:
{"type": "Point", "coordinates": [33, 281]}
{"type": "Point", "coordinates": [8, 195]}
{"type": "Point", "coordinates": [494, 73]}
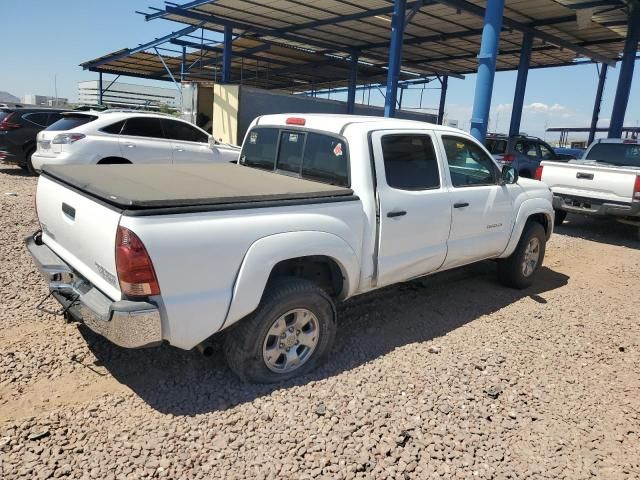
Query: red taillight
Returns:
{"type": "Point", "coordinates": [296, 121]}
{"type": "Point", "coordinates": [6, 124]}
{"type": "Point", "coordinates": [135, 270]}
{"type": "Point", "coordinates": [636, 190]}
{"type": "Point", "coordinates": [508, 158]}
{"type": "Point", "coordinates": [538, 175]}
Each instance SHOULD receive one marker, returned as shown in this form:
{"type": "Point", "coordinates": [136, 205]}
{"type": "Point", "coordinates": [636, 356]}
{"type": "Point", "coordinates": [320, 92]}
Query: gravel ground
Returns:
{"type": "Point", "coordinates": [453, 377]}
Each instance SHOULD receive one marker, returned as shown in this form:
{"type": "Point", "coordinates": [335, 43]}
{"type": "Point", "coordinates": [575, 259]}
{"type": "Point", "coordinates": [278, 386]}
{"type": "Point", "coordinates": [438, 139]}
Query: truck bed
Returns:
{"type": "Point", "coordinates": [153, 188]}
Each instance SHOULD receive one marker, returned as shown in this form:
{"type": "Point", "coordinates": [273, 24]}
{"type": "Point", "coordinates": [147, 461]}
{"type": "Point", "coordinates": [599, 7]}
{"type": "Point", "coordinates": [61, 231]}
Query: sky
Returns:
{"type": "Point", "coordinates": [44, 41]}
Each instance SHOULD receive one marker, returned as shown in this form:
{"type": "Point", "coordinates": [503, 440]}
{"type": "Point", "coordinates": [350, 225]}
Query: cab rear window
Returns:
{"type": "Point", "coordinates": [496, 146]}
{"type": "Point", "coordinates": [306, 154]}
{"type": "Point", "coordinates": [620, 154]}
{"type": "Point", "coordinates": [69, 122]}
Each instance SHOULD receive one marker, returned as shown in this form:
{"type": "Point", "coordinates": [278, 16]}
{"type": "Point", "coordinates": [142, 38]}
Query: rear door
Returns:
{"type": "Point", "coordinates": [482, 207]}
{"type": "Point", "coordinates": [415, 207]}
{"type": "Point", "coordinates": [142, 141]}
{"type": "Point", "coordinates": [190, 144]}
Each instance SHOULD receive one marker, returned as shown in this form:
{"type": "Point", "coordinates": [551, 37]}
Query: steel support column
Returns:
{"type": "Point", "coordinates": [183, 64]}
{"type": "Point", "coordinates": [444, 84]}
{"type": "Point", "coordinates": [100, 88]}
{"type": "Point", "coordinates": [353, 82]}
{"type": "Point", "coordinates": [226, 54]}
{"type": "Point", "coordinates": [395, 57]}
{"type": "Point", "coordinates": [598, 102]}
{"type": "Point", "coordinates": [521, 84]}
{"type": "Point", "coordinates": [626, 72]}
{"type": "Point", "coordinates": [486, 68]}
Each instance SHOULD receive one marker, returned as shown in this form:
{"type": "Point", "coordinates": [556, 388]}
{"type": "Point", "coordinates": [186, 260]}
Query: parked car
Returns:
{"type": "Point", "coordinates": [320, 208]}
{"type": "Point", "coordinates": [605, 182]}
{"type": "Point", "coordinates": [568, 153]}
{"type": "Point", "coordinates": [522, 152]}
{"type": "Point", "coordinates": [127, 136]}
{"type": "Point", "coordinates": [19, 127]}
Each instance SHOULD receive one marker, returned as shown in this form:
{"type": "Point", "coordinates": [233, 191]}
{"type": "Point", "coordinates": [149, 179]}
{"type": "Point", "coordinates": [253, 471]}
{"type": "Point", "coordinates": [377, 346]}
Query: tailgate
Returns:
{"type": "Point", "coordinates": [81, 231]}
{"type": "Point", "coordinates": [590, 181]}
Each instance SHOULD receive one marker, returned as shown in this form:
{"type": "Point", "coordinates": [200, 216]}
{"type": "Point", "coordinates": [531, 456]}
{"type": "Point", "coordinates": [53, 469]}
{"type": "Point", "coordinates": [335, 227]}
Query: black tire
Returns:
{"type": "Point", "coordinates": [511, 270]}
{"type": "Point", "coordinates": [525, 174]}
{"type": "Point", "coordinates": [243, 346]}
{"type": "Point", "coordinates": [28, 165]}
{"type": "Point", "coordinates": [560, 216]}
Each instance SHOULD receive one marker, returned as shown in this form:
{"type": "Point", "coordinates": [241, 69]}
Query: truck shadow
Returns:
{"type": "Point", "coordinates": [601, 230]}
{"type": "Point", "coordinates": [186, 383]}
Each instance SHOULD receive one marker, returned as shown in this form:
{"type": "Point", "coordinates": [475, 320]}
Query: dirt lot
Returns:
{"type": "Point", "coordinates": [453, 377]}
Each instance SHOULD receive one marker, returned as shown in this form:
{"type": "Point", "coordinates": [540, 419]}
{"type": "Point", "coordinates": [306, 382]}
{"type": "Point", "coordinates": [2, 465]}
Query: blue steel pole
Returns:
{"type": "Point", "coordinates": [626, 72]}
{"type": "Point", "coordinates": [521, 84]}
{"type": "Point", "coordinates": [226, 54]}
{"type": "Point", "coordinates": [444, 84]}
{"type": "Point", "coordinates": [598, 102]}
{"type": "Point", "coordinates": [486, 68]}
{"type": "Point", "coordinates": [183, 65]}
{"type": "Point", "coordinates": [353, 81]}
{"type": "Point", "coordinates": [395, 57]}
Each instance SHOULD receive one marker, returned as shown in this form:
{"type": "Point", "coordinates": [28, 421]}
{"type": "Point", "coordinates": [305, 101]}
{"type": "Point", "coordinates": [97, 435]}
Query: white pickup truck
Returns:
{"type": "Point", "coordinates": [604, 182]}
{"type": "Point", "coordinates": [319, 209]}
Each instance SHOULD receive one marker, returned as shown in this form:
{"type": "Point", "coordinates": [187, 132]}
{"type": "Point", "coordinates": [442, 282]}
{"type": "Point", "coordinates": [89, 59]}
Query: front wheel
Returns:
{"type": "Point", "coordinates": [519, 270]}
{"type": "Point", "coordinates": [289, 334]}
{"type": "Point", "coordinates": [29, 165]}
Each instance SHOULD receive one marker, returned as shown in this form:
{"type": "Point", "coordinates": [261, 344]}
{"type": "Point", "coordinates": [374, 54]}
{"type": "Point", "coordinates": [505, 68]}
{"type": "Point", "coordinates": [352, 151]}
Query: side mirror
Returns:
{"type": "Point", "coordinates": [212, 142]}
{"type": "Point", "coordinates": [509, 175]}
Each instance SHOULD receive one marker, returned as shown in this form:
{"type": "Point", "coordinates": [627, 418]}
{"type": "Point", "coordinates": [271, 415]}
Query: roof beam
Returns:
{"type": "Point", "coordinates": [594, 3]}
{"type": "Point", "coordinates": [241, 53]}
{"type": "Point", "coordinates": [162, 13]}
{"type": "Point", "coordinates": [209, 18]}
{"type": "Point", "coordinates": [508, 22]}
{"type": "Point", "coordinates": [131, 51]}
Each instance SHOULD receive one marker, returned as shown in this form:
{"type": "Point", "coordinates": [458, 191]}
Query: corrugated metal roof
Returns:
{"type": "Point", "coordinates": [294, 44]}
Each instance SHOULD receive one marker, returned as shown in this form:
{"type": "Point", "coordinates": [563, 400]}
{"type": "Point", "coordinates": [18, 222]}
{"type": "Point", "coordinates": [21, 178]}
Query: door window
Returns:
{"type": "Point", "coordinates": [531, 150]}
{"type": "Point", "coordinates": [469, 165]}
{"type": "Point", "coordinates": [546, 153]}
{"type": "Point", "coordinates": [184, 132]}
{"type": "Point", "coordinates": [143, 127]}
{"type": "Point", "coordinates": [410, 162]}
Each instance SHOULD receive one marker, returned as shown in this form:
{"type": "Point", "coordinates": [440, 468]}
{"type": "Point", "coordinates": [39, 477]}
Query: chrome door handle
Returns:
{"type": "Point", "coordinates": [130, 145]}
{"type": "Point", "coordinates": [396, 213]}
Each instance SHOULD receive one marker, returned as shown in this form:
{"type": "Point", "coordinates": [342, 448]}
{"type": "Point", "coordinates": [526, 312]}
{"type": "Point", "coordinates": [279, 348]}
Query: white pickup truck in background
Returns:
{"type": "Point", "coordinates": [605, 182]}
{"type": "Point", "coordinates": [320, 208]}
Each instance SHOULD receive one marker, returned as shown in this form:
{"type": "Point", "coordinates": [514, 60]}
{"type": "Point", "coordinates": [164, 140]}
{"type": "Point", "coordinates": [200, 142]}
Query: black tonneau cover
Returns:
{"type": "Point", "coordinates": [141, 187]}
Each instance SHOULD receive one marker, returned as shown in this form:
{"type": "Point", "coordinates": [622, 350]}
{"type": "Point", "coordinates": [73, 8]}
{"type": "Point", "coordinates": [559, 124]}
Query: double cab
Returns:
{"type": "Point", "coordinates": [317, 209]}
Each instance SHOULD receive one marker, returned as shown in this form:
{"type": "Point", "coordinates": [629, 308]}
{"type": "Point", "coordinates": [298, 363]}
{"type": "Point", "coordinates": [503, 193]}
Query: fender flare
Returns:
{"type": "Point", "coordinates": [531, 206]}
{"type": "Point", "coordinates": [265, 253]}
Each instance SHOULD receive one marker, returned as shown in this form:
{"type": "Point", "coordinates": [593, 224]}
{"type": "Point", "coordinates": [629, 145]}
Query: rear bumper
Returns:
{"type": "Point", "coordinates": [595, 207]}
{"type": "Point", "coordinates": [126, 323]}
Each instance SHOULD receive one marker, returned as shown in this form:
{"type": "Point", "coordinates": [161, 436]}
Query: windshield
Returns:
{"type": "Point", "coordinates": [309, 155]}
{"type": "Point", "coordinates": [69, 122]}
{"type": "Point", "coordinates": [619, 154]}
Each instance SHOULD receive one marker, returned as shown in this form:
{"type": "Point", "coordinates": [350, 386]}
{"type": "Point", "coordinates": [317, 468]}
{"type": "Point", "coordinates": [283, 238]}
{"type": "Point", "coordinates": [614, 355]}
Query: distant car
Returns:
{"type": "Point", "coordinates": [569, 153]}
{"type": "Point", "coordinates": [19, 127]}
{"type": "Point", "coordinates": [522, 152]}
{"type": "Point", "coordinates": [127, 136]}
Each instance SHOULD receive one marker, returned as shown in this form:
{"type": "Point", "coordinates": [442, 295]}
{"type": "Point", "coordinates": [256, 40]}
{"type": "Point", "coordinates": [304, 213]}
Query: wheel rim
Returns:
{"type": "Point", "coordinates": [531, 257]}
{"type": "Point", "coordinates": [291, 340]}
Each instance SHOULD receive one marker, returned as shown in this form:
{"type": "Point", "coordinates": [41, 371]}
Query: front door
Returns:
{"type": "Point", "coordinates": [415, 209]}
{"type": "Point", "coordinates": [482, 207]}
{"type": "Point", "coordinates": [190, 144]}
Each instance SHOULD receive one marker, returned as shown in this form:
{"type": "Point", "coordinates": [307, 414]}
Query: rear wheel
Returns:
{"type": "Point", "coordinates": [519, 270]}
{"type": "Point", "coordinates": [525, 174]}
{"type": "Point", "coordinates": [560, 216]}
{"type": "Point", "coordinates": [289, 334]}
{"type": "Point", "coordinates": [28, 165]}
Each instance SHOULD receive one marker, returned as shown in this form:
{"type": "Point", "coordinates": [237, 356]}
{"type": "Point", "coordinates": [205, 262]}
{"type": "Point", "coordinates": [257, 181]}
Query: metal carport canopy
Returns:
{"type": "Point", "coordinates": [441, 37]}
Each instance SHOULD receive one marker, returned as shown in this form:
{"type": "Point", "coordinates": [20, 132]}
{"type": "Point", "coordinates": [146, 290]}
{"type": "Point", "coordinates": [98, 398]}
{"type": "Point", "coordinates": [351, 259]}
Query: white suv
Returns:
{"type": "Point", "coordinates": [119, 136]}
